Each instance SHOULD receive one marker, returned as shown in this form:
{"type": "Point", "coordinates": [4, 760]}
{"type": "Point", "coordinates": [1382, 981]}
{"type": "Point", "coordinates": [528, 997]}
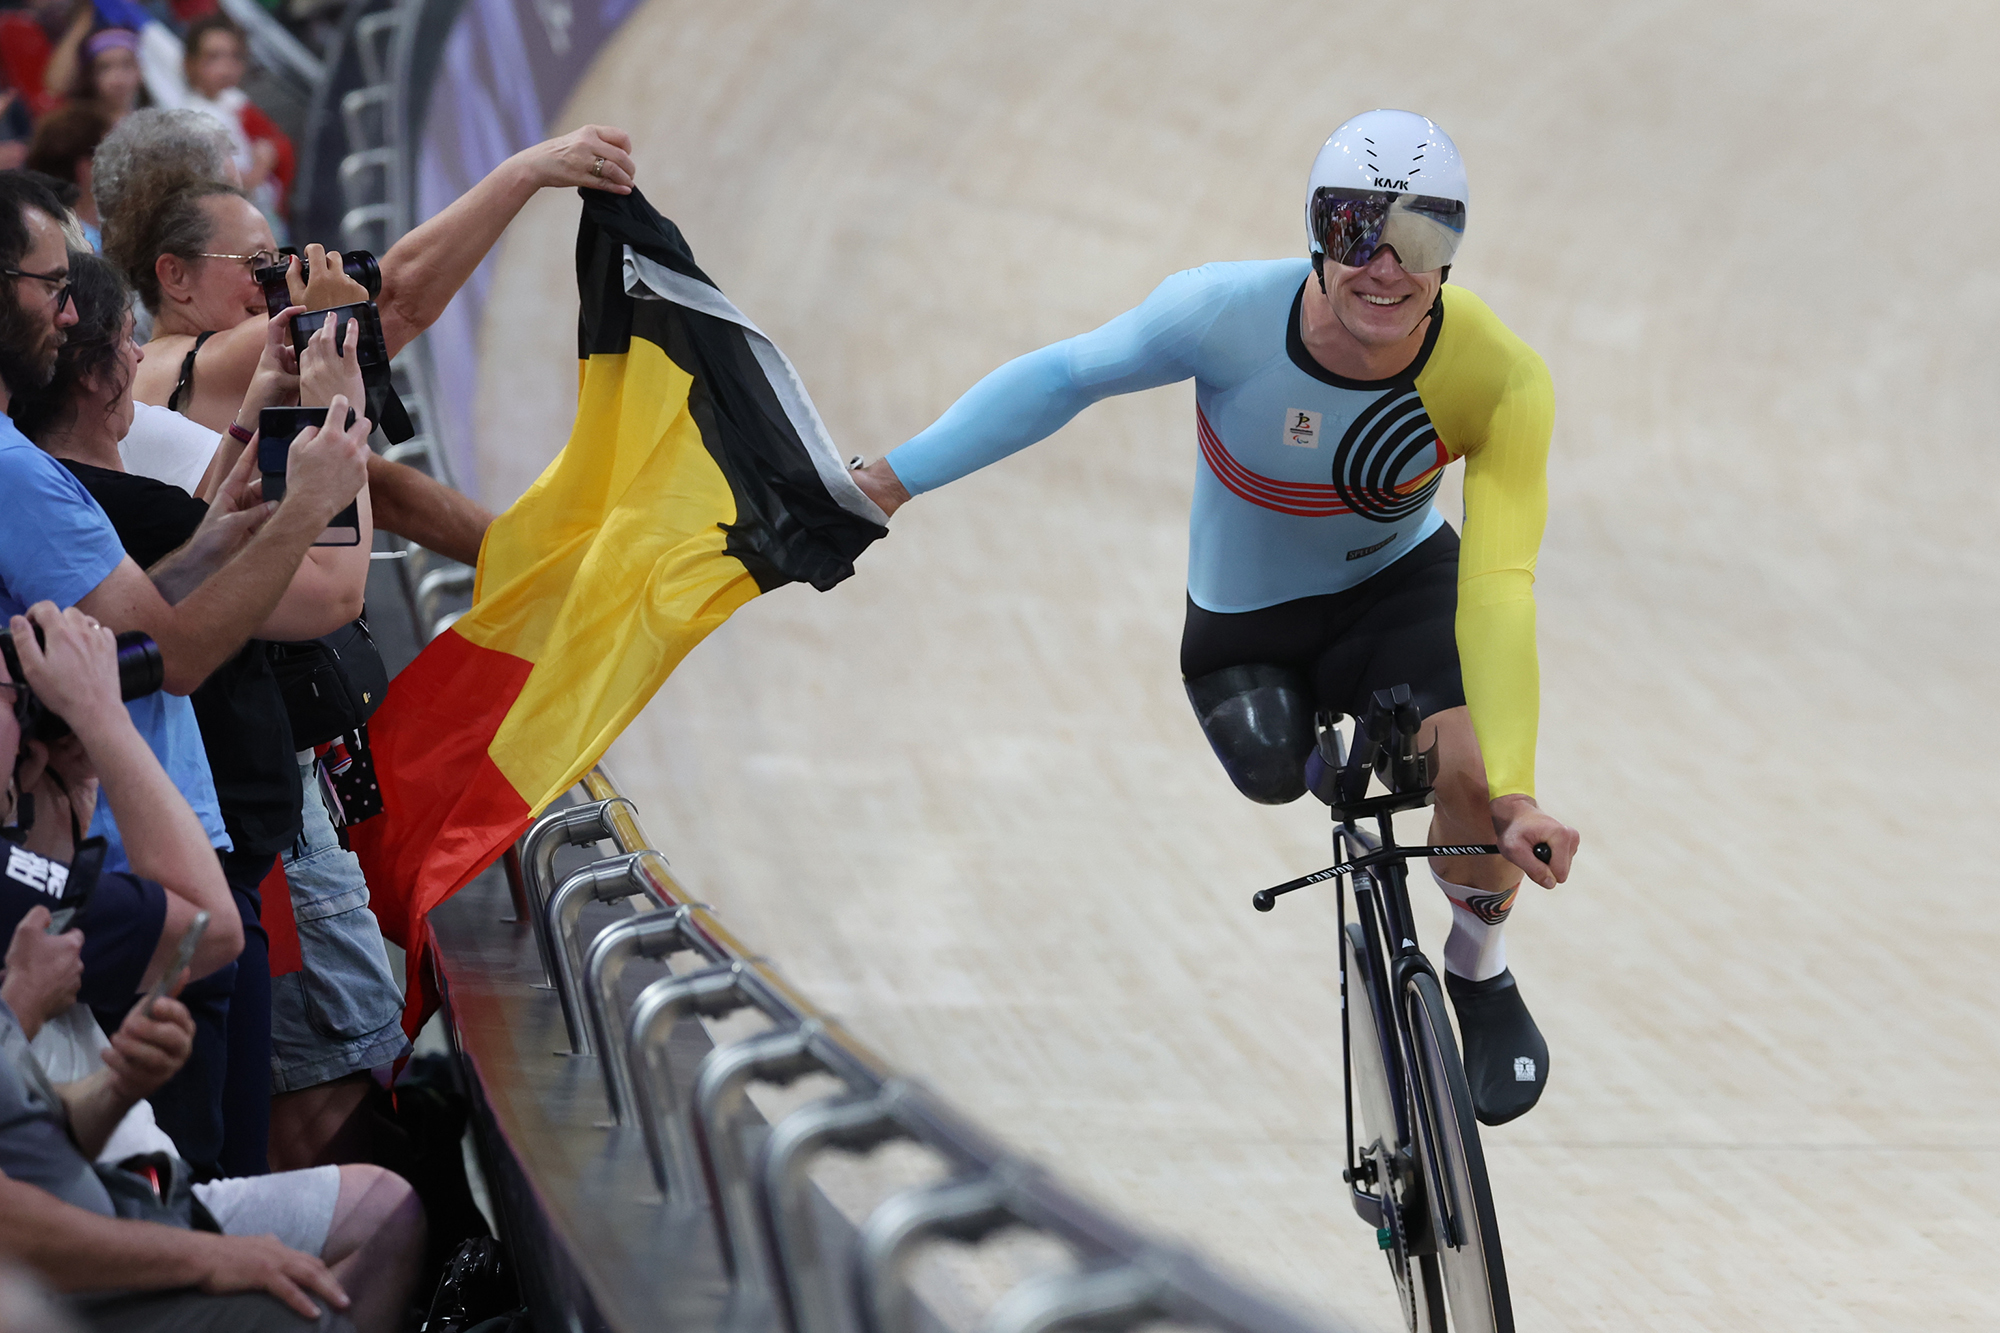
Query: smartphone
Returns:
{"type": "Point", "coordinates": [183, 956]}
{"type": "Point", "coordinates": [277, 427]}
{"type": "Point", "coordinates": [84, 869]}
{"type": "Point", "coordinates": [360, 320]}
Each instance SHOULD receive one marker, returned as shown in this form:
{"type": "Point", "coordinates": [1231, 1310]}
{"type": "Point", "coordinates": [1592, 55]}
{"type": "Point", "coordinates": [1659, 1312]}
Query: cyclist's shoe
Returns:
{"type": "Point", "coordinates": [1506, 1060]}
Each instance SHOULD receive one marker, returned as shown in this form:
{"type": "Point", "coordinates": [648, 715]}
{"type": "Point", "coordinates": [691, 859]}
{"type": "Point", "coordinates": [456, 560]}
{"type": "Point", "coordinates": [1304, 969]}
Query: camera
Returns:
{"type": "Point", "coordinates": [141, 672]}
{"type": "Point", "coordinates": [385, 407]}
{"type": "Point", "coordinates": [358, 265]}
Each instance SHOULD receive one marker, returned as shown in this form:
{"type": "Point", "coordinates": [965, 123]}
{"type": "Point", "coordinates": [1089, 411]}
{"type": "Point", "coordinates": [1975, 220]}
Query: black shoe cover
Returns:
{"type": "Point", "coordinates": [1506, 1060]}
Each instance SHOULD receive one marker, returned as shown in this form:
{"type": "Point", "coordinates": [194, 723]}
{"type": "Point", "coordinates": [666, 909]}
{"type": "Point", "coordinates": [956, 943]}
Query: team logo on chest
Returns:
{"type": "Point", "coordinates": [1388, 464]}
{"type": "Point", "coordinates": [1302, 429]}
{"type": "Point", "coordinates": [1385, 468]}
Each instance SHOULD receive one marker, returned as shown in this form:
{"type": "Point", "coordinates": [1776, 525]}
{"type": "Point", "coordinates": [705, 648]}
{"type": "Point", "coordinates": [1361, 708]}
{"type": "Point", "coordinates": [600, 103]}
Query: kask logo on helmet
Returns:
{"type": "Point", "coordinates": [1385, 183]}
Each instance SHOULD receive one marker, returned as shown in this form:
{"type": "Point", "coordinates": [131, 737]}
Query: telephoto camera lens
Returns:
{"type": "Point", "coordinates": [361, 266]}
{"type": "Point", "coordinates": [141, 671]}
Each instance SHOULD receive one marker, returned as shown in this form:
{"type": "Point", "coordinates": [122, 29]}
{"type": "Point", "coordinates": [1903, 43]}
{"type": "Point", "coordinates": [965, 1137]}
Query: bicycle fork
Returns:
{"type": "Point", "coordinates": [1391, 956]}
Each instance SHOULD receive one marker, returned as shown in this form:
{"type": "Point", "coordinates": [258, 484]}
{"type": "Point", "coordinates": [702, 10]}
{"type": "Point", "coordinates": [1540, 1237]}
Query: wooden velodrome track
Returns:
{"type": "Point", "coordinates": [963, 801]}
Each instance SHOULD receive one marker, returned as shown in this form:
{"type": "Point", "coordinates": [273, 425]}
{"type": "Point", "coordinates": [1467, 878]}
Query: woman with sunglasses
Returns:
{"type": "Point", "coordinates": [190, 248]}
{"type": "Point", "coordinates": [1330, 395]}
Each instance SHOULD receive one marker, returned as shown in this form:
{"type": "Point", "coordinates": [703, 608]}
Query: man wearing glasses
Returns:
{"type": "Point", "coordinates": [1330, 395]}
{"type": "Point", "coordinates": [31, 324]}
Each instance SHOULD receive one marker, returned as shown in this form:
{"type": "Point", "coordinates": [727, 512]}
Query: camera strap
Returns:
{"type": "Point", "coordinates": [386, 410]}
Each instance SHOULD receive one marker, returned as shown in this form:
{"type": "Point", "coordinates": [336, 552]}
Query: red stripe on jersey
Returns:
{"type": "Point", "coordinates": [1301, 498]}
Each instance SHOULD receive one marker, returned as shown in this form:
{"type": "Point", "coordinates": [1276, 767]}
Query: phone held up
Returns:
{"type": "Point", "coordinates": [183, 957]}
{"type": "Point", "coordinates": [277, 427]}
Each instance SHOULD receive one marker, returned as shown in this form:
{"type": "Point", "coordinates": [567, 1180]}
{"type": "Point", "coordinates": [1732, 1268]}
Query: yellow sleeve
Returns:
{"type": "Point", "coordinates": [1497, 410]}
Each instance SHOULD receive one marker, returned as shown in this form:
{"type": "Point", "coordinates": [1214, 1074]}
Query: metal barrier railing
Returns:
{"type": "Point", "coordinates": [761, 1198]}
{"type": "Point", "coordinates": [377, 190]}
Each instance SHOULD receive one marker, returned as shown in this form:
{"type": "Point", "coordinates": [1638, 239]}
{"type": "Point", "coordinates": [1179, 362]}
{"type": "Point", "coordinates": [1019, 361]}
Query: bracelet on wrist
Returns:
{"type": "Point", "coordinates": [239, 434]}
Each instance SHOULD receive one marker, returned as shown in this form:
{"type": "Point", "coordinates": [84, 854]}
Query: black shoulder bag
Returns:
{"type": "Point", "coordinates": [332, 686]}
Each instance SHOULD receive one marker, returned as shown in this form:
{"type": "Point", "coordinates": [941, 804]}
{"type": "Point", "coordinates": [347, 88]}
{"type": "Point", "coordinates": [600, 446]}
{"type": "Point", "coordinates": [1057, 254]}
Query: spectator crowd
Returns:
{"type": "Point", "coordinates": [72, 70]}
{"type": "Point", "coordinates": [202, 1123]}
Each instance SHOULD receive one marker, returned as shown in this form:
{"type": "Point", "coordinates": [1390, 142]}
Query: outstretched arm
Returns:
{"type": "Point", "coordinates": [424, 270]}
{"type": "Point", "coordinates": [1033, 396]}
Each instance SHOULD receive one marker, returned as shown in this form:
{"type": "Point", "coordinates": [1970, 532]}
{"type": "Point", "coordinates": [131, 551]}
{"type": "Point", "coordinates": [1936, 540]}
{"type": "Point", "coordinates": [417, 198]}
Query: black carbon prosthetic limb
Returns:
{"type": "Point", "coordinates": [1259, 721]}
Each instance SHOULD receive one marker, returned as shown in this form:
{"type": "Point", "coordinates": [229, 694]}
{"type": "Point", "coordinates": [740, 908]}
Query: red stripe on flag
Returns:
{"type": "Point", "coordinates": [447, 810]}
{"type": "Point", "coordinates": [275, 911]}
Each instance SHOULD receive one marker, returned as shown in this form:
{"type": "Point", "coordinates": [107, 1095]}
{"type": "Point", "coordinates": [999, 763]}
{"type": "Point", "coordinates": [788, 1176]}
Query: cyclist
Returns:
{"type": "Point", "coordinates": [1330, 395]}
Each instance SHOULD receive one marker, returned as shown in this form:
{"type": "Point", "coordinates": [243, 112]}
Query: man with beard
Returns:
{"type": "Point", "coordinates": [199, 603]}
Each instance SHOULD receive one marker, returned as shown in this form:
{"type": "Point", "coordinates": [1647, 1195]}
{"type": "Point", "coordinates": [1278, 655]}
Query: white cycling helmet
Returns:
{"type": "Point", "coordinates": [1387, 178]}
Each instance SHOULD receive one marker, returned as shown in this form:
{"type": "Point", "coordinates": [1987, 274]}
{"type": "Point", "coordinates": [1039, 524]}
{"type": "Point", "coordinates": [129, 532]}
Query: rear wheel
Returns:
{"type": "Point", "coordinates": [1453, 1170]}
{"type": "Point", "coordinates": [1389, 1171]}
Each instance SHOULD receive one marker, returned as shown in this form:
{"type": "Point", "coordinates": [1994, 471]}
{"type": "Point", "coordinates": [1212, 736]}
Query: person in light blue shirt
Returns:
{"type": "Point", "coordinates": [200, 604]}
{"type": "Point", "coordinates": [59, 547]}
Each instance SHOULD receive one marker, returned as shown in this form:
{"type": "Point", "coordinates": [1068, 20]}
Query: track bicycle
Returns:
{"type": "Point", "coordinates": [1418, 1176]}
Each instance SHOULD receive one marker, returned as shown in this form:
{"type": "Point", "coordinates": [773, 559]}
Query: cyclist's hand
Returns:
{"type": "Point", "coordinates": [1520, 824]}
{"type": "Point", "coordinates": [879, 482]}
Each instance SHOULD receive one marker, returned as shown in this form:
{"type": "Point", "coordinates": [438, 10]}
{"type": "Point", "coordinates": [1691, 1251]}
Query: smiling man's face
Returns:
{"type": "Point", "coordinates": [1381, 303]}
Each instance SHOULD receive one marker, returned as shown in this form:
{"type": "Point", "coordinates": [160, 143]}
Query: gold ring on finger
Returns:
{"type": "Point", "coordinates": [597, 169]}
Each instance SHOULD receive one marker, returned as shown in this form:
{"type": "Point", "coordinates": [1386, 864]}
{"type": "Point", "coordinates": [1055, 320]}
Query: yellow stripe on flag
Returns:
{"type": "Point", "coordinates": [607, 572]}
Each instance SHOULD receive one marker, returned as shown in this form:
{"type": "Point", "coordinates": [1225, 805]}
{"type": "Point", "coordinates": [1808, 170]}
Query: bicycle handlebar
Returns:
{"type": "Point", "coordinates": [1265, 899]}
{"type": "Point", "coordinates": [1385, 744]}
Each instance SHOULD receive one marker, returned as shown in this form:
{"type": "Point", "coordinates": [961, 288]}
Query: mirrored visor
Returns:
{"type": "Point", "coordinates": [1424, 230]}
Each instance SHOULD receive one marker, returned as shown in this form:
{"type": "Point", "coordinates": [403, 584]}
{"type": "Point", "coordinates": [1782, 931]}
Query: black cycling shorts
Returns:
{"type": "Point", "coordinates": [1397, 628]}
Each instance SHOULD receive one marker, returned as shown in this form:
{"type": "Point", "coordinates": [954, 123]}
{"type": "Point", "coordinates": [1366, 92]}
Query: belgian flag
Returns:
{"type": "Point", "coordinates": [697, 475]}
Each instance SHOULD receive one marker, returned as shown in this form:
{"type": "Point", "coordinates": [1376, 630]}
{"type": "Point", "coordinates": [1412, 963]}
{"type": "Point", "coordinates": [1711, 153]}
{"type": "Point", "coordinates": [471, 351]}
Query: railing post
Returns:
{"type": "Point", "coordinates": [809, 1292]}
{"type": "Point", "coordinates": [1119, 1296]}
{"type": "Point", "coordinates": [606, 881]}
{"type": "Point", "coordinates": [573, 826]}
{"type": "Point", "coordinates": [719, 1098]}
{"type": "Point", "coordinates": [517, 888]}
{"type": "Point", "coordinates": [648, 935]}
{"type": "Point", "coordinates": [709, 993]}
{"type": "Point", "coordinates": [961, 1209]}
